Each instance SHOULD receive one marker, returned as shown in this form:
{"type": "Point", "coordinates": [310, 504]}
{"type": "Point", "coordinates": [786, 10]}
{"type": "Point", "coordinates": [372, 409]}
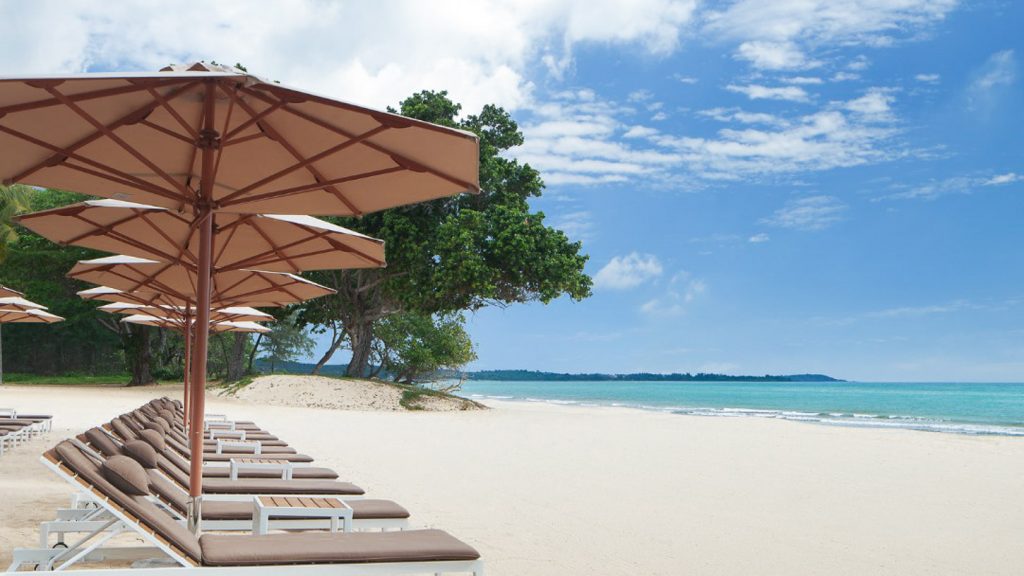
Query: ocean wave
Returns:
{"type": "Point", "coordinates": [847, 419]}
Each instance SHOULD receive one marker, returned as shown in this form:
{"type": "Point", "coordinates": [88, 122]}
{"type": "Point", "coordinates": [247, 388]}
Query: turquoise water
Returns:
{"type": "Point", "coordinates": [941, 407]}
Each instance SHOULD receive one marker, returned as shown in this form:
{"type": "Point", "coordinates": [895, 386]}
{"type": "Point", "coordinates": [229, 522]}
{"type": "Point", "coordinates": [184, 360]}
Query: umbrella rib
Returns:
{"type": "Point", "coordinates": [108, 131]}
{"type": "Point", "coordinates": [61, 154]}
{"type": "Point", "coordinates": [405, 161]}
{"type": "Point", "coordinates": [137, 86]}
{"type": "Point", "coordinates": [277, 250]}
{"type": "Point", "coordinates": [315, 186]}
{"type": "Point", "coordinates": [303, 162]}
{"type": "Point", "coordinates": [231, 228]}
{"type": "Point", "coordinates": [174, 114]}
{"type": "Point", "coordinates": [68, 151]}
{"type": "Point", "coordinates": [253, 119]}
{"type": "Point", "coordinates": [182, 250]}
{"type": "Point", "coordinates": [168, 132]}
{"type": "Point", "coordinates": [101, 231]}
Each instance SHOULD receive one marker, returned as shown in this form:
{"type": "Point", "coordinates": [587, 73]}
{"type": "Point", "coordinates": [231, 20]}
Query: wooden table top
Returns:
{"type": "Point", "coordinates": [300, 502]}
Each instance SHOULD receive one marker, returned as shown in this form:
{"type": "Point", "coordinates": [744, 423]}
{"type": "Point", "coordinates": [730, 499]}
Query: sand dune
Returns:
{"type": "Point", "coordinates": [543, 489]}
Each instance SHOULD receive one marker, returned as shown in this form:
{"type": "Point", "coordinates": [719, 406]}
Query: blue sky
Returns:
{"type": "Point", "coordinates": [794, 186]}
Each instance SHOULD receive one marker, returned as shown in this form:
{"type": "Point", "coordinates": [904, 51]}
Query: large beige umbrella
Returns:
{"type": "Point", "coordinates": [16, 303]}
{"type": "Point", "coordinates": [31, 314]}
{"type": "Point", "coordinates": [6, 292]}
{"type": "Point", "coordinates": [204, 139]}
{"type": "Point", "coordinates": [176, 323]}
{"type": "Point", "coordinates": [178, 286]}
{"type": "Point", "coordinates": [231, 313]}
{"type": "Point", "coordinates": [271, 242]}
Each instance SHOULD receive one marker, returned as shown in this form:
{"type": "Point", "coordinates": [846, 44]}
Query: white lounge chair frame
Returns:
{"type": "Point", "coordinates": [90, 548]}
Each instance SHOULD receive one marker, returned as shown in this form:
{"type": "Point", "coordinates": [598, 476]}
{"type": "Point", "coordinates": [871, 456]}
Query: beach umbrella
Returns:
{"type": "Point", "coordinates": [15, 303]}
{"type": "Point", "coordinates": [205, 139]}
{"type": "Point", "coordinates": [240, 326]}
{"type": "Point", "coordinates": [6, 292]}
{"type": "Point", "coordinates": [273, 242]}
{"type": "Point", "coordinates": [177, 323]}
{"type": "Point", "coordinates": [233, 313]}
{"type": "Point", "coordinates": [158, 283]}
{"type": "Point", "coordinates": [33, 314]}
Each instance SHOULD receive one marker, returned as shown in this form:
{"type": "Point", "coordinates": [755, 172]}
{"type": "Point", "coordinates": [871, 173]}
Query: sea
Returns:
{"type": "Point", "coordinates": [953, 407]}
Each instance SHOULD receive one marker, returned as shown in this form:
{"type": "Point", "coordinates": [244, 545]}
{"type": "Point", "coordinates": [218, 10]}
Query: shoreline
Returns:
{"type": "Point", "coordinates": [544, 489]}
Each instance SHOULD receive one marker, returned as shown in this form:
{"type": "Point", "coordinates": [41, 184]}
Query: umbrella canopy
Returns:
{"type": "Point", "coordinates": [234, 313]}
{"type": "Point", "coordinates": [276, 149]}
{"type": "Point", "coordinates": [15, 303]}
{"type": "Point", "coordinates": [31, 316]}
{"type": "Point", "coordinates": [158, 283]}
{"type": "Point", "coordinates": [176, 323]}
{"type": "Point", "coordinates": [202, 139]}
{"type": "Point", "coordinates": [281, 243]}
{"type": "Point", "coordinates": [6, 292]}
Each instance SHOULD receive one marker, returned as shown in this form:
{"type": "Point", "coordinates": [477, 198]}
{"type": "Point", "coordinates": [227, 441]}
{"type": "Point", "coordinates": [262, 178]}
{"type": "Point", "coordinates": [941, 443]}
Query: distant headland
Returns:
{"type": "Point", "coordinates": [533, 375]}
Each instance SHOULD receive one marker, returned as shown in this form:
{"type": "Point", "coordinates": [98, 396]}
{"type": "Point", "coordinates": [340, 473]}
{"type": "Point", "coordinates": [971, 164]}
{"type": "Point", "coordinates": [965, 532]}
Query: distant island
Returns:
{"type": "Point", "coordinates": [533, 375]}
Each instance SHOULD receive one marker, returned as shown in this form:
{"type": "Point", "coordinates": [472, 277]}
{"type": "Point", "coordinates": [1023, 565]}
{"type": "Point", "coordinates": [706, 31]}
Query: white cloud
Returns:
{"type": "Point", "coordinates": [685, 79]}
{"type": "Point", "coordinates": [375, 54]}
{"type": "Point", "coordinates": [774, 55]}
{"type": "Point", "coordinates": [803, 80]}
{"type": "Point", "coordinates": [1008, 178]}
{"type": "Point", "coordinates": [759, 238]}
{"type": "Point", "coordinates": [949, 186]}
{"type": "Point", "coordinates": [630, 271]}
{"type": "Point", "coordinates": [874, 105]}
{"type": "Point", "coordinates": [845, 77]}
{"type": "Point", "coordinates": [834, 137]}
{"type": "Point", "coordinates": [998, 72]}
{"type": "Point", "coordinates": [758, 92]}
{"type": "Point", "coordinates": [780, 34]}
{"type": "Point", "coordinates": [683, 289]}
{"type": "Point", "coordinates": [928, 78]}
{"type": "Point", "coordinates": [577, 225]}
{"type": "Point", "coordinates": [810, 213]}
{"type": "Point", "coordinates": [639, 132]}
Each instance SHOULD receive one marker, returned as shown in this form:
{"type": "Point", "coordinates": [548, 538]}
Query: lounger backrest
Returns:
{"type": "Point", "coordinates": [121, 428]}
{"type": "Point", "coordinates": [99, 440]}
{"type": "Point", "coordinates": [137, 507]}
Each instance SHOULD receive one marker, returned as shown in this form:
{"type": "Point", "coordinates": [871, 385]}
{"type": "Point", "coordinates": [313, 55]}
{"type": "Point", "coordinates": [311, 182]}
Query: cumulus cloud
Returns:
{"type": "Point", "coordinates": [758, 92]}
{"type": "Point", "coordinates": [630, 271]}
{"type": "Point", "coordinates": [780, 34]}
{"type": "Point", "coordinates": [810, 213]}
{"type": "Point", "coordinates": [374, 54]}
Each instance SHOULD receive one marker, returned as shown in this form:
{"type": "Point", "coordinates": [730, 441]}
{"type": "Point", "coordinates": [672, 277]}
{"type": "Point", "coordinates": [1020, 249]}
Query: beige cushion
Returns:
{"type": "Point", "coordinates": [142, 453]}
{"type": "Point", "coordinates": [127, 475]}
{"type": "Point", "coordinates": [168, 415]}
{"type": "Point", "coordinates": [100, 441]}
{"type": "Point", "coordinates": [154, 438]}
{"type": "Point", "coordinates": [158, 424]}
{"type": "Point", "coordinates": [337, 547]}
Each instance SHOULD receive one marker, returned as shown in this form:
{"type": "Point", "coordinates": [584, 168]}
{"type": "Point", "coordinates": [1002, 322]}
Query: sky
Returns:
{"type": "Point", "coordinates": [762, 187]}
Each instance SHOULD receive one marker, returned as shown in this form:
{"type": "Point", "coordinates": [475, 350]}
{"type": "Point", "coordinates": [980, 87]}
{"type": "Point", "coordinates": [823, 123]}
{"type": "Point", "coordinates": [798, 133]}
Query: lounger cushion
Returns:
{"type": "Point", "coordinates": [154, 439]}
{"type": "Point", "coordinates": [278, 486]}
{"type": "Point", "coordinates": [128, 475]}
{"type": "Point", "coordinates": [361, 510]}
{"type": "Point", "coordinates": [338, 548]}
{"type": "Point", "coordinates": [100, 441]}
{"type": "Point", "coordinates": [167, 415]}
{"type": "Point", "coordinates": [298, 472]}
{"type": "Point", "coordinates": [164, 423]}
{"type": "Point", "coordinates": [158, 425]}
{"type": "Point", "coordinates": [141, 452]}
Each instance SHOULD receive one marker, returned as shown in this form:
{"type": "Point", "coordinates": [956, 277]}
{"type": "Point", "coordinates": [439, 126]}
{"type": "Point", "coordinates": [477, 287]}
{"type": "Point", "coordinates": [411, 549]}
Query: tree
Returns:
{"type": "Point", "coordinates": [13, 200]}
{"type": "Point", "coordinates": [457, 253]}
{"type": "Point", "coordinates": [286, 341]}
{"type": "Point", "coordinates": [413, 347]}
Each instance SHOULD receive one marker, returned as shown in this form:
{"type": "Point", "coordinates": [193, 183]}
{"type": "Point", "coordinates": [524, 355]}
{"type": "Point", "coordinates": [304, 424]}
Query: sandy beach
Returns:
{"type": "Point", "coordinates": [542, 489]}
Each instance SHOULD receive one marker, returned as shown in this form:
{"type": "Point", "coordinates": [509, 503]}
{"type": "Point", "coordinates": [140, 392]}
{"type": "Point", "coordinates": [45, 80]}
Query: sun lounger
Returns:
{"type": "Point", "coordinates": [122, 490]}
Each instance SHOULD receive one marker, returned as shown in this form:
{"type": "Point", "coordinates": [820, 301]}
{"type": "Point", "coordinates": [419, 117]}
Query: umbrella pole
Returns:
{"type": "Point", "coordinates": [208, 142]}
{"type": "Point", "coordinates": [185, 376]}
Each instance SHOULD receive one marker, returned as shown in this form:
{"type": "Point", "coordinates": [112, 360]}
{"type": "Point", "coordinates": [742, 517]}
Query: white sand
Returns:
{"type": "Point", "coordinates": [349, 394]}
{"type": "Point", "coordinates": [543, 489]}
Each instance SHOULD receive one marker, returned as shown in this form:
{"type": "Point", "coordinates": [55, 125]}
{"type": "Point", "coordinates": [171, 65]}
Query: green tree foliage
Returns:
{"type": "Point", "coordinates": [455, 253]}
{"type": "Point", "coordinates": [413, 347]}
{"type": "Point", "coordinates": [13, 201]}
{"type": "Point", "coordinates": [286, 341]}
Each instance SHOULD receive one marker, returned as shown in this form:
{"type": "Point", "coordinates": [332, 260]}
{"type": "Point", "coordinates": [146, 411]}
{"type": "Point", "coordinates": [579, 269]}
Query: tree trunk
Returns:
{"type": "Point", "coordinates": [361, 336]}
{"type": "Point", "coordinates": [139, 356]}
{"type": "Point", "coordinates": [236, 358]}
{"type": "Point", "coordinates": [252, 353]}
{"type": "Point", "coordinates": [336, 340]}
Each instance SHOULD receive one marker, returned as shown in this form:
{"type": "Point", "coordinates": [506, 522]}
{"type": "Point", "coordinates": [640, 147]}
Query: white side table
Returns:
{"type": "Point", "coordinates": [265, 507]}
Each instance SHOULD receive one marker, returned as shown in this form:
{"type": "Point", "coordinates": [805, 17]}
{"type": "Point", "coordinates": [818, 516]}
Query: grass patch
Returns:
{"type": "Point", "coordinates": [69, 379]}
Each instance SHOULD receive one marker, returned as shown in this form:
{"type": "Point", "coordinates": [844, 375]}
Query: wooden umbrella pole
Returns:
{"type": "Point", "coordinates": [208, 142]}
{"type": "Point", "coordinates": [188, 367]}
